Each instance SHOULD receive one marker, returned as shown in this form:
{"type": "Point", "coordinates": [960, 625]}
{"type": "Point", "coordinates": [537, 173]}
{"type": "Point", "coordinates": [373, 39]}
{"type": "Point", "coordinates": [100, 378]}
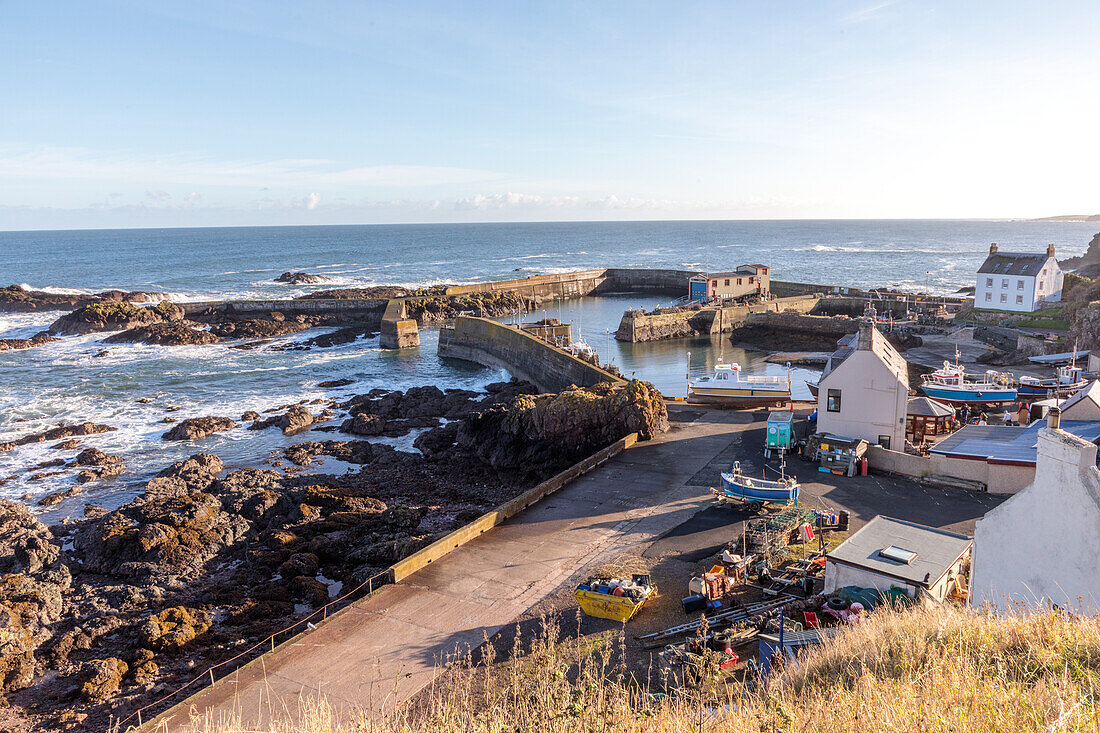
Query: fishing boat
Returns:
{"type": "Point", "coordinates": [952, 384]}
{"type": "Point", "coordinates": [730, 386]}
{"type": "Point", "coordinates": [615, 598]}
{"type": "Point", "coordinates": [1069, 379]}
{"type": "Point", "coordinates": [736, 485]}
{"type": "Point", "coordinates": [812, 386]}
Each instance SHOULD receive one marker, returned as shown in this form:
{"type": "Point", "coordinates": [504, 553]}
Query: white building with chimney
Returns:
{"type": "Point", "coordinates": [1018, 281]}
{"type": "Point", "coordinates": [865, 392]}
{"type": "Point", "coordinates": [1042, 546]}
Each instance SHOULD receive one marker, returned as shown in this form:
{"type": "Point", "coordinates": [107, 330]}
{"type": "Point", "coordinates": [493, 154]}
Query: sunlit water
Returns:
{"type": "Point", "coordinates": [74, 380]}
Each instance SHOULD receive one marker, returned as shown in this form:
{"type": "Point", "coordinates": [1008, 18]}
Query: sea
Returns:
{"type": "Point", "coordinates": [136, 387]}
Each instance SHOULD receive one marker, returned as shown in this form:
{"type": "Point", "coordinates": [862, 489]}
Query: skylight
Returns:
{"type": "Point", "coordinates": [898, 554]}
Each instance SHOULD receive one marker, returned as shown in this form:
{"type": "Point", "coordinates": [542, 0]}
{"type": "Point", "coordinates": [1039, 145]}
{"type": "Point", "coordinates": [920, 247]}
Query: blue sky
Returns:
{"type": "Point", "coordinates": [117, 114]}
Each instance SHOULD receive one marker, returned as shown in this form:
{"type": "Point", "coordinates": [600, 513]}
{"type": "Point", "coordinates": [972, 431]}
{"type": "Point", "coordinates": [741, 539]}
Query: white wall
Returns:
{"type": "Point", "coordinates": [1043, 545]}
{"type": "Point", "coordinates": [1050, 277]}
{"type": "Point", "coordinates": [872, 401]}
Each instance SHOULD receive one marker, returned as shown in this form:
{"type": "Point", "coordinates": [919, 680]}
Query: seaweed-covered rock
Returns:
{"type": "Point", "coordinates": [102, 679]}
{"type": "Point", "coordinates": [364, 424]}
{"type": "Point", "coordinates": [173, 628]}
{"type": "Point", "coordinates": [551, 430]}
{"type": "Point", "coordinates": [256, 328]}
{"type": "Point", "coordinates": [196, 428]}
{"type": "Point", "coordinates": [196, 472]}
{"type": "Point", "coordinates": [301, 278]}
{"type": "Point", "coordinates": [114, 316]}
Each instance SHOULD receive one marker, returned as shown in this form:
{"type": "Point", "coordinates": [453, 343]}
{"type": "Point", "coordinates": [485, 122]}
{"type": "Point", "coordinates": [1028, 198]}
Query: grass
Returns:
{"type": "Point", "coordinates": [917, 670]}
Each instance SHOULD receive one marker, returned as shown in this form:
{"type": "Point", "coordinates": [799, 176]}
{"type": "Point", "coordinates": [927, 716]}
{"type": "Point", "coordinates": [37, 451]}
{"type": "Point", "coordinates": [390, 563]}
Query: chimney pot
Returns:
{"type": "Point", "coordinates": [993, 248]}
{"type": "Point", "coordinates": [1050, 250]}
{"type": "Point", "coordinates": [1054, 418]}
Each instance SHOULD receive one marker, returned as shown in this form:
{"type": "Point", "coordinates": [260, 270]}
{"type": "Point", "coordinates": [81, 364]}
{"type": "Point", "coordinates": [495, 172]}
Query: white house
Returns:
{"type": "Point", "coordinates": [865, 392]}
{"type": "Point", "coordinates": [1042, 546]}
{"type": "Point", "coordinates": [891, 553]}
{"type": "Point", "coordinates": [1014, 281]}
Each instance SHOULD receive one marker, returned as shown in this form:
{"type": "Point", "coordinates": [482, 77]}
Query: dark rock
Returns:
{"type": "Point", "coordinates": [253, 494]}
{"type": "Point", "coordinates": [437, 441]}
{"type": "Point", "coordinates": [115, 316]}
{"type": "Point", "coordinates": [66, 445]}
{"type": "Point", "coordinates": [61, 495]}
{"type": "Point", "coordinates": [405, 517]}
{"type": "Point", "coordinates": [331, 383]}
{"type": "Point", "coordinates": [39, 339]}
{"type": "Point", "coordinates": [300, 563]}
{"type": "Point", "coordinates": [96, 457]}
{"type": "Point", "coordinates": [310, 589]}
{"type": "Point", "coordinates": [363, 424]}
{"type": "Point", "coordinates": [381, 292]}
{"type": "Point", "coordinates": [257, 329]}
{"type": "Point", "coordinates": [350, 451]}
{"type": "Point", "coordinates": [196, 428]}
{"type": "Point", "coordinates": [62, 431]}
{"type": "Point", "coordinates": [109, 471]}
{"type": "Point", "coordinates": [294, 420]}
{"type": "Point", "coordinates": [300, 278]}
{"type": "Point", "coordinates": [164, 334]}
{"type": "Point", "coordinates": [250, 415]}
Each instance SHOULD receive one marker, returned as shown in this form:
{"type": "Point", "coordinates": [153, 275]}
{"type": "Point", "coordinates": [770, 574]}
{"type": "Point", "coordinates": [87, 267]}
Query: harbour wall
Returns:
{"type": "Point", "coordinates": [489, 343]}
{"type": "Point", "coordinates": [586, 282]}
{"type": "Point", "coordinates": [371, 309]}
{"type": "Point", "coordinates": [637, 326]}
{"type": "Point", "coordinates": [998, 478]}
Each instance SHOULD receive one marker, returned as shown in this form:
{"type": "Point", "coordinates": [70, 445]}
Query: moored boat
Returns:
{"type": "Point", "coordinates": [729, 385]}
{"type": "Point", "coordinates": [1068, 379]}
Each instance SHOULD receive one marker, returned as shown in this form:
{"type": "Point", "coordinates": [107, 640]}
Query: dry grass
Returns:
{"type": "Point", "coordinates": [919, 670]}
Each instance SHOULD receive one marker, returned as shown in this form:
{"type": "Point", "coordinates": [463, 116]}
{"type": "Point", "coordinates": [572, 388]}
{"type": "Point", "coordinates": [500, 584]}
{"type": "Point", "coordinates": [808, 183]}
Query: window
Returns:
{"type": "Point", "coordinates": [989, 296]}
{"type": "Point", "coordinates": [1019, 284]}
{"type": "Point", "coordinates": [898, 554]}
{"type": "Point", "coordinates": [884, 441]}
{"type": "Point", "coordinates": [832, 402]}
{"type": "Point", "coordinates": [1040, 287]}
{"type": "Point", "coordinates": [1019, 300]}
{"type": "Point", "coordinates": [738, 281]}
{"type": "Point", "coordinates": [989, 282]}
{"type": "Point", "coordinates": [1004, 298]}
{"type": "Point", "coordinates": [1004, 282]}
{"type": "Point", "coordinates": [714, 283]}
{"type": "Point", "coordinates": [727, 282]}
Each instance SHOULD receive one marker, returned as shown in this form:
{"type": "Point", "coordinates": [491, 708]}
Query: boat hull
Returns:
{"type": "Point", "coordinates": [812, 386]}
{"type": "Point", "coordinates": [971, 395]}
{"type": "Point", "coordinates": [740, 396]}
{"type": "Point", "coordinates": [746, 490]}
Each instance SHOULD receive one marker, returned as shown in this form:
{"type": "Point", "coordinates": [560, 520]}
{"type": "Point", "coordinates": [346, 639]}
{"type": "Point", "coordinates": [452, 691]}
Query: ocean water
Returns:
{"type": "Point", "coordinates": [80, 378]}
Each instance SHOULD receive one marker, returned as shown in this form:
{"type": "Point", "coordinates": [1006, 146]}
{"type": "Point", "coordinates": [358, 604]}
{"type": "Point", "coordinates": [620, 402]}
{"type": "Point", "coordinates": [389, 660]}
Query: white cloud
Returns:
{"type": "Point", "coordinates": [53, 163]}
{"type": "Point", "coordinates": [311, 201]}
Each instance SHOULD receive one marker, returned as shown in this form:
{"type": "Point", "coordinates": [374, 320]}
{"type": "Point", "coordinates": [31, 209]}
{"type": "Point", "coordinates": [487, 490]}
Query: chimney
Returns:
{"type": "Point", "coordinates": [1054, 418]}
{"type": "Point", "coordinates": [993, 248]}
{"type": "Point", "coordinates": [867, 327]}
{"type": "Point", "coordinates": [1050, 250]}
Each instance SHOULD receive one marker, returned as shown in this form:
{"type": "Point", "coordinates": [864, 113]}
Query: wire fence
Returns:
{"type": "Point", "coordinates": [371, 584]}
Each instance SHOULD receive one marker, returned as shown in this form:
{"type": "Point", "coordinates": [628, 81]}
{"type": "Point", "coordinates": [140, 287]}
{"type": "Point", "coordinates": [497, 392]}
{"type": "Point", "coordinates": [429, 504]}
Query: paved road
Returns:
{"type": "Point", "coordinates": [385, 648]}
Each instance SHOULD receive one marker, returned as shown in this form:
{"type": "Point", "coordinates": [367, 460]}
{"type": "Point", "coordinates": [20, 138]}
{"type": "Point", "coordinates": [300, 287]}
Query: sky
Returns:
{"type": "Point", "coordinates": [158, 114]}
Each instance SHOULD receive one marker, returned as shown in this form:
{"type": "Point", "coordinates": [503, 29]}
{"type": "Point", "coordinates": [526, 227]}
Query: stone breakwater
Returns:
{"type": "Point", "coordinates": [105, 613]}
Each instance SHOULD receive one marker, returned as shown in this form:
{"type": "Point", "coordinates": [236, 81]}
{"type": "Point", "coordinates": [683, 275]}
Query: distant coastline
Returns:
{"type": "Point", "coordinates": [1070, 218]}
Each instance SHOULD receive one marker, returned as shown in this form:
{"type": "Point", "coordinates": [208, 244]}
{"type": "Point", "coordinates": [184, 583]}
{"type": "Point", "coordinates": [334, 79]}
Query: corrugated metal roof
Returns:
{"type": "Point", "coordinates": [937, 549]}
{"type": "Point", "coordinates": [1013, 263]}
{"type": "Point", "coordinates": [1008, 444]}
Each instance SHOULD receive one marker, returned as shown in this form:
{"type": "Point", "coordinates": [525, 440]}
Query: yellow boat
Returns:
{"type": "Point", "coordinates": [619, 608]}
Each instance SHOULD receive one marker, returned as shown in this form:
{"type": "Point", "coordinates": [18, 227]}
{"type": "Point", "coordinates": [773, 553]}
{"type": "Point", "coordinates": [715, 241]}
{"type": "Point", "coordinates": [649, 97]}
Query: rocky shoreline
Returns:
{"type": "Point", "coordinates": [104, 614]}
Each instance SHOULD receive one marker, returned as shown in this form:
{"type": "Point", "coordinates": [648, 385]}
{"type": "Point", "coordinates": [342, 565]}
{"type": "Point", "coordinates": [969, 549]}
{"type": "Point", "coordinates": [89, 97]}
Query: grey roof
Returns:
{"type": "Point", "coordinates": [928, 407]}
{"type": "Point", "coordinates": [1008, 444]}
{"type": "Point", "coordinates": [1013, 263]}
{"type": "Point", "coordinates": [1091, 392]}
{"type": "Point", "coordinates": [937, 549]}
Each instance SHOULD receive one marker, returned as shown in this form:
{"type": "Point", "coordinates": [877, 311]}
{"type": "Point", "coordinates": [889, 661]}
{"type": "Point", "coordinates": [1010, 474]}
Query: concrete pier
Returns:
{"type": "Point", "coordinates": [525, 357]}
{"type": "Point", "coordinates": [637, 326]}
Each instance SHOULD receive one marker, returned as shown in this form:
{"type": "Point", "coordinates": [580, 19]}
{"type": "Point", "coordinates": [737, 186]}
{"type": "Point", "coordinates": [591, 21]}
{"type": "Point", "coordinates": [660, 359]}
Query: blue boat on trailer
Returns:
{"type": "Point", "coordinates": [736, 485]}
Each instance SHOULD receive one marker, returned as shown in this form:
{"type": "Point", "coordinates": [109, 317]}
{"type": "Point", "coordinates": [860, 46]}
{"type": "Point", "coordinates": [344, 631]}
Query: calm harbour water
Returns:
{"type": "Point", "coordinates": [69, 381]}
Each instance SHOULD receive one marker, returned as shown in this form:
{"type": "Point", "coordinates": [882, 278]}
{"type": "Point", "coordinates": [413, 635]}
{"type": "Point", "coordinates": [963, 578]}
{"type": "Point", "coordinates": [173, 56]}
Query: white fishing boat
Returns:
{"type": "Point", "coordinates": [951, 383]}
{"type": "Point", "coordinates": [1068, 379]}
{"type": "Point", "coordinates": [730, 386]}
{"type": "Point", "coordinates": [736, 485]}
